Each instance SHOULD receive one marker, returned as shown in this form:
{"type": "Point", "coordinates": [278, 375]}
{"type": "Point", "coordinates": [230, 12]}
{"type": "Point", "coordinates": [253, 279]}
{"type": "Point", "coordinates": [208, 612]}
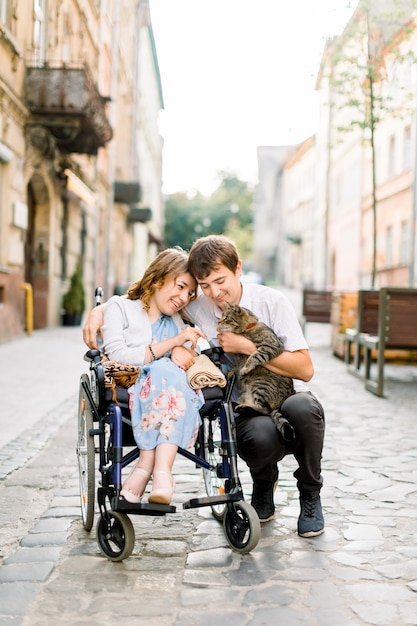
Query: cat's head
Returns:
{"type": "Point", "coordinates": [236, 319]}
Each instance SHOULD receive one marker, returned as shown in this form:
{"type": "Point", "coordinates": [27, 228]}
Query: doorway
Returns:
{"type": "Point", "coordinates": [37, 248]}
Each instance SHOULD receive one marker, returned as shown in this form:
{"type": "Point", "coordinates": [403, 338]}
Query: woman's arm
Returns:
{"type": "Point", "coordinates": [126, 331]}
{"type": "Point", "coordinates": [127, 334]}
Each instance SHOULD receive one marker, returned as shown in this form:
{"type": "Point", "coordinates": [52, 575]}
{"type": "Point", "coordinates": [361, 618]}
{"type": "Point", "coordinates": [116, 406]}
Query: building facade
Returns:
{"type": "Point", "coordinates": [80, 152]}
{"type": "Point", "coordinates": [352, 218]}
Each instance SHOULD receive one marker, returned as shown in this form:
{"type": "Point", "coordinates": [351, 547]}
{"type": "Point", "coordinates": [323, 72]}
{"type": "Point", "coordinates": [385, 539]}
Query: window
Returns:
{"type": "Point", "coordinates": [388, 249]}
{"type": "Point", "coordinates": [39, 32]}
{"type": "Point", "coordinates": [5, 12]}
{"type": "Point", "coordinates": [404, 242]}
{"type": "Point", "coordinates": [1, 210]}
{"type": "Point", "coordinates": [407, 149]}
{"type": "Point", "coordinates": [391, 157]}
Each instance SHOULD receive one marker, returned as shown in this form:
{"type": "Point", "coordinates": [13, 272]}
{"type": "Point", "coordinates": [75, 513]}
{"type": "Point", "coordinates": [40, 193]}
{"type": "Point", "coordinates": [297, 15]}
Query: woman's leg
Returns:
{"type": "Point", "coordinates": [135, 484]}
{"type": "Point", "coordinates": [163, 483]}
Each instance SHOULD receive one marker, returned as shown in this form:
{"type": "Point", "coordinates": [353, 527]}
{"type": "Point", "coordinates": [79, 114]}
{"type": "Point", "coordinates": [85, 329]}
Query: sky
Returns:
{"type": "Point", "coordinates": [237, 74]}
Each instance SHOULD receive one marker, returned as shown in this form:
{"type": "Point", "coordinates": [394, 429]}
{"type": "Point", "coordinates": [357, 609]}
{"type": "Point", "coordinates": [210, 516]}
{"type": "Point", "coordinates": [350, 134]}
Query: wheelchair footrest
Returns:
{"type": "Point", "coordinates": [141, 508]}
{"type": "Point", "coordinates": [211, 500]}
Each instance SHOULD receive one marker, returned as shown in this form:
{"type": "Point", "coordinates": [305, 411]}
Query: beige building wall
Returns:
{"type": "Point", "coordinates": [298, 191]}
{"type": "Point", "coordinates": [57, 180]}
{"type": "Point", "coordinates": [269, 231]}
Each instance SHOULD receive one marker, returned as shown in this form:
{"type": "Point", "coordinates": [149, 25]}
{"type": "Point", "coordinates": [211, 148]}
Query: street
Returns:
{"type": "Point", "coordinates": [362, 570]}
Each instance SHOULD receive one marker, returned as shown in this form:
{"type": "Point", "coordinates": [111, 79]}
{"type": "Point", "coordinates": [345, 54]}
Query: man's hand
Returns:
{"type": "Point", "coordinates": [92, 326]}
{"type": "Point", "coordinates": [231, 342]}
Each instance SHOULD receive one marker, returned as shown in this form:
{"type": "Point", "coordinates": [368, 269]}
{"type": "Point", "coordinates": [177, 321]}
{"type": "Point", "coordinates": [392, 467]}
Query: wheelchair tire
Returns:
{"type": "Point", "coordinates": [86, 457]}
{"type": "Point", "coordinates": [215, 485]}
{"type": "Point", "coordinates": [241, 526]}
{"type": "Point", "coordinates": [116, 540]}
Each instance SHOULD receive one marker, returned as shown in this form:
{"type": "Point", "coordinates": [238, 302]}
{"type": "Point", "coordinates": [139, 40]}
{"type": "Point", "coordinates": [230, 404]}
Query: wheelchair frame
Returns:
{"type": "Point", "coordinates": [104, 427]}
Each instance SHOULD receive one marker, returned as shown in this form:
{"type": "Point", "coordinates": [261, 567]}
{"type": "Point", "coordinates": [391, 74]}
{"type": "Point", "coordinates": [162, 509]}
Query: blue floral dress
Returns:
{"type": "Point", "coordinates": [164, 408]}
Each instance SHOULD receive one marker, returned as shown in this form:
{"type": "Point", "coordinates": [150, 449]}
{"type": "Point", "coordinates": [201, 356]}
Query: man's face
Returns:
{"type": "Point", "coordinates": [222, 285]}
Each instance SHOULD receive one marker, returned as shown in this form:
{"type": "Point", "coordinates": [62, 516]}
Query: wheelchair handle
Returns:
{"type": "Point", "coordinates": [93, 355]}
{"type": "Point", "coordinates": [98, 295]}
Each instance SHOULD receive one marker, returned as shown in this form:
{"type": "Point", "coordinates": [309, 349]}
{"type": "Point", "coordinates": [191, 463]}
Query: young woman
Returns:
{"type": "Point", "coordinates": [145, 329]}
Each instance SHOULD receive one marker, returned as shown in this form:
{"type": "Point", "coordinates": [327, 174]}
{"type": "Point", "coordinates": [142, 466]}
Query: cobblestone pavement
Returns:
{"type": "Point", "coordinates": [362, 570]}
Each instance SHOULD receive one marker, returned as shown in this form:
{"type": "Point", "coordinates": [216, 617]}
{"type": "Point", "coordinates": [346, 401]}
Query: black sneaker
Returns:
{"type": "Point", "coordinates": [310, 522]}
{"type": "Point", "coordinates": [263, 499]}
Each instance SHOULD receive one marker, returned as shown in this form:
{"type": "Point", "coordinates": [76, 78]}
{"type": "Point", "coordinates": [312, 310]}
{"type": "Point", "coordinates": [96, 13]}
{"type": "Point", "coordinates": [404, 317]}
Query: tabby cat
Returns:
{"type": "Point", "coordinates": [259, 388]}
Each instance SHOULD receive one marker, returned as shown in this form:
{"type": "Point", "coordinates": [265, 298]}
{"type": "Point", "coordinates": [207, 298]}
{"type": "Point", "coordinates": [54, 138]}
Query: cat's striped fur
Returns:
{"type": "Point", "coordinates": [260, 390]}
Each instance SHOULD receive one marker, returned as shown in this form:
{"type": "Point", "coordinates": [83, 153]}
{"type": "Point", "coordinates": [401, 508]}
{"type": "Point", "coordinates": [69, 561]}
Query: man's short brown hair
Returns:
{"type": "Point", "coordinates": [208, 253]}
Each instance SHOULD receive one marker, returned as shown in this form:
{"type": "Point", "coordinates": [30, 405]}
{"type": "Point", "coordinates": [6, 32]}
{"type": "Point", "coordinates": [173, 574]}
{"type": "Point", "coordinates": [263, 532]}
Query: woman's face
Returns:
{"type": "Point", "coordinates": [174, 294]}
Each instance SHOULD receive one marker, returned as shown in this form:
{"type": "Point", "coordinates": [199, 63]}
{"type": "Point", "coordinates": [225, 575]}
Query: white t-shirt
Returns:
{"type": "Point", "coordinates": [271, 307]}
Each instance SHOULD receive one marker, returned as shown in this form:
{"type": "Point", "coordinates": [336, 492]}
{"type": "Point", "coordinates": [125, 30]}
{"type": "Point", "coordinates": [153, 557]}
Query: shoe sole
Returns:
{"type": "Point", "coordinates": [312, 533]}
{"type": "Point", "coordinates": [159, 499]}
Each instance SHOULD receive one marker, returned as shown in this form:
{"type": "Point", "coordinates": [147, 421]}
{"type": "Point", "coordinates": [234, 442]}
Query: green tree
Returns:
{"type": "Point", "coordinates": [364, 62]}
{"type": "Point", "coordinates": [228, 210]}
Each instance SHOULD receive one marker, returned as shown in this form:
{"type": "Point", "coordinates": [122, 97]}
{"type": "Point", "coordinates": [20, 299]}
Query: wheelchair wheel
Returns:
{"type": "Point", "coordinates": [86, 454]}
{"type": "Point", "coordinates": [116, 539]}
{"type": "Point", "coordinates": [241, 526]}
{"type": "Point", "coordinates": [215, 485]}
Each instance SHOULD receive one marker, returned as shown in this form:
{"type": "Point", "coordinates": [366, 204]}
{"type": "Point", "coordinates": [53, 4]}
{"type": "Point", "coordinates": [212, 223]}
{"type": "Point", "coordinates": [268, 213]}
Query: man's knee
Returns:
{"type": "Point", "coordinates": [257, 435]}
{"type": "Point", "coordinates": [302, 407]}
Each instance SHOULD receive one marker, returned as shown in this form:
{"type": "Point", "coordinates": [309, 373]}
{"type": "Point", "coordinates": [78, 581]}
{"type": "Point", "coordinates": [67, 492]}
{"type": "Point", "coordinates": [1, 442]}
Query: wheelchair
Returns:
{"type": "Point", "coordinates": [105, 432]}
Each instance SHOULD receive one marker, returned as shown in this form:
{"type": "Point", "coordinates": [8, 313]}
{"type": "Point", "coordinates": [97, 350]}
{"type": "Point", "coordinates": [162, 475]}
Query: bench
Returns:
{"type": "Point", "coordinates": [366, 324]}
{"type": "Point", "coordinates": [316, 306]}
{"type": "Point", "coordinates": [397, 330]}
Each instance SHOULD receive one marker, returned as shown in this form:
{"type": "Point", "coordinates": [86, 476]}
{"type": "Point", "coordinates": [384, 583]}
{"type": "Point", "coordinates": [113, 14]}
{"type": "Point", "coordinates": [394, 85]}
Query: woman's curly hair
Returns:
{"type": "Point", "coordinates": [169, 263]}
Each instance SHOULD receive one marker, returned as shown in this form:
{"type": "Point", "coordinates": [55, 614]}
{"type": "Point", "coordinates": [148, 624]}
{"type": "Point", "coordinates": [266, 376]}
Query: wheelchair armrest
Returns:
{"type": "Point", "coordinates": [213, 351]}
{"type": "Point", "coordinates": [98, 388]}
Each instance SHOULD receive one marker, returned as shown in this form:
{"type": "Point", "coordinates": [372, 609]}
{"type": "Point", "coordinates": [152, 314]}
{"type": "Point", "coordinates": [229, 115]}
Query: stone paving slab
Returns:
{"type": "Point", "coordinates": [361, 571]}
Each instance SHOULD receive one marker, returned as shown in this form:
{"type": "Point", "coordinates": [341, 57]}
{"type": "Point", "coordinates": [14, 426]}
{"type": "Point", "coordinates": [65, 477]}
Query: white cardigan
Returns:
{"type": "Point", "coordinates": [127, 330]}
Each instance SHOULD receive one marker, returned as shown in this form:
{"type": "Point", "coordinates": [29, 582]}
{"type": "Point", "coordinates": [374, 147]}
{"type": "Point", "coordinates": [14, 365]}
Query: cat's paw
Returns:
{"type": "Point", "coordinates": [246, 369]}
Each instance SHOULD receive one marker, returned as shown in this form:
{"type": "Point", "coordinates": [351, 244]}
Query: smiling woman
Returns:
{"type": "Point", "coordinates": [145, 329]}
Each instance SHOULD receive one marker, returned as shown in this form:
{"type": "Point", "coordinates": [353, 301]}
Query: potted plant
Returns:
{"type": "Point", "coordinates": [73, 301]}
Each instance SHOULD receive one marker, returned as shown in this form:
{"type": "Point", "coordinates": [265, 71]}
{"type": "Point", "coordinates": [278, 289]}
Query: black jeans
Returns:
{"type": "Point", "coordinates": [261, 447]}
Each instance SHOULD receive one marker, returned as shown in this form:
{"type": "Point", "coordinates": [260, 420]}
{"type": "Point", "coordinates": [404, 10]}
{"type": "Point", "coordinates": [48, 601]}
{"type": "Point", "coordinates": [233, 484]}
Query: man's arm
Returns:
{"type": "Point", "coordinates": [297, 364]}
{"type": "Point", "coordinates": [92, 326]}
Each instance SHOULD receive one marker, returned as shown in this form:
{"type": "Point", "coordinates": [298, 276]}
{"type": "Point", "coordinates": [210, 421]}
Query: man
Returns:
{"type": "Point", "coordinates": [215, 263]}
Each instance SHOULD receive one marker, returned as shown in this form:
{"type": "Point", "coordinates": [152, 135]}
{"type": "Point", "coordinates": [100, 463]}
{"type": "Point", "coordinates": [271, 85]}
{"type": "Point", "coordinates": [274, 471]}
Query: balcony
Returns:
{"type": "Point", "coordinates": [66, 101]}
{"type": "Point", "coordinates": [139, 215]}
{"type": "Point", "coordinates": [127, 193]}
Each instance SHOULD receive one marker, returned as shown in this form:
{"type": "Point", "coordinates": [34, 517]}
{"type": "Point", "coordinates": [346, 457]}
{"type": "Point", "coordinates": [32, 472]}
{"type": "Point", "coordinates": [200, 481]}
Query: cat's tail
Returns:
{"type": "Point", "coordinates": [284, 427]}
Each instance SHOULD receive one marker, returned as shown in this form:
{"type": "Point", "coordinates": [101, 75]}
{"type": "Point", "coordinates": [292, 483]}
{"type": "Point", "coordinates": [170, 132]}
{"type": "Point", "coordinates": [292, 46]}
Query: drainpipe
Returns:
{"type": "Point", "coordinates": [411, 267]}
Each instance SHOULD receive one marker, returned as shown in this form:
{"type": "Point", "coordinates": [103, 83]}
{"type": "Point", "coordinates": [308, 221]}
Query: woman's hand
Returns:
{"type": "Point", "coordinates": [183, 357]}
{"type": "Point", "coordinates": [190, 334]}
